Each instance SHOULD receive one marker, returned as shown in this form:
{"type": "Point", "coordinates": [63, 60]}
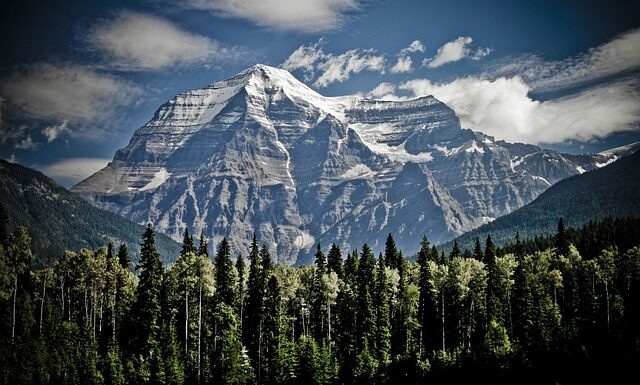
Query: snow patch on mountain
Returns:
{"type": "Point", "coordinates": [158, 179]}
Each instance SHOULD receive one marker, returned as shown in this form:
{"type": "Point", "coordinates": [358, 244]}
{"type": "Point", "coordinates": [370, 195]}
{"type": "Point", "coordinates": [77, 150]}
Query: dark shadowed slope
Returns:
{"type": "Point", "coordinates": [58, 219]}
{"type": "Point", "coordinates": [612, 191]}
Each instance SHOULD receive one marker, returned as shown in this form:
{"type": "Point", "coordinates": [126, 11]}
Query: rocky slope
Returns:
{"type": "Point", "coordinates": [261, 152]}
{"type": "Point", "coordinates": [609, 192]}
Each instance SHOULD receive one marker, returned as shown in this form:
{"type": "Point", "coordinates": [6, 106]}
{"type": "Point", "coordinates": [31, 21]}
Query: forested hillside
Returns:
{"type": "Point", "coordinates": [63, 220]}
{"type": "Point", "coordinates": [609, 192]}
{"type": "Point", "coordinates": [550, 316]}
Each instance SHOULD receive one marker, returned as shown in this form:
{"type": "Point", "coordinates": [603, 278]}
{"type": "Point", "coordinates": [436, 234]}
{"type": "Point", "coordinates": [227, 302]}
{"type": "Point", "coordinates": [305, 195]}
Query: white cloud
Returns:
{"type": "Point", "coordinates": [52, 132]}
{"type": "Point", "coordinates": [503, 108]}
{"type": "Point", "coordinates": [455, 50]}
{"type": "Point", "coordinates": [70, 171]}
{"type": "Point", "coordinates": [403, 65]}
{"type": "Point", "coordinates": [383, 91]}
{"type": "Point", "coordinates": [305, 58]}
{"type": "Point", "coordinates": [332, 68]}
{"type": "Point", "coordinates": [297, 15]}
{"type": "Point", "coordinates": [619, 55]}
{"type": "Point", "coordinates": [139, 41]}
{"type": "Point", "coordinates": [66, 92]}
{"type": "Point", "coordinates": [26, 144]}
{"type": "Point", "coordinates": [340, 68]}
{"type": "Point", "coordinates": [415, 46]}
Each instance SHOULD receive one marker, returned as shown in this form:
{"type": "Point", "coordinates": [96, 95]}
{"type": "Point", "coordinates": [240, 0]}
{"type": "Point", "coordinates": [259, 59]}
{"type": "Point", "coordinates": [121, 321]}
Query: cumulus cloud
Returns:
{"type": "Point", "coordinates": [297, 15]}
{"type": "Point", "coordinates": [403, 64]}
{"type": "Point", "coordinates": [503, 108]}
{"type": "Point", "coordinates": [53, 131]}
{"type": "Point", "coordinates": [26, 143]}
{"type": "Point", "coordinates": [70, 171]}
{"type": "Point", "coordinates": [340, 68]}
{"type": "Point", "coordinates": [139, 41]}
{"type": "Point", "coordinates": [415, 46]}
{"type": "Point", "coordinates": [305, 58]}
{"type": "Point", "coordinates": [332, 68]}
{"type": "Point", "coordinates": [620, 55]}
{"type": "Point", "coordinates": [383, 91]}
{"type": "Point", "coordinates": [455, 50]}
{"type": "Point", "coordinates": [66, 92]}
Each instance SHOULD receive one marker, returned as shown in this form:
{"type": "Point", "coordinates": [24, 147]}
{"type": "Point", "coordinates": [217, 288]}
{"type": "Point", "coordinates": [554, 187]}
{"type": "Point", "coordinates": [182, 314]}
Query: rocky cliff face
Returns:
{"type": "Point", "coordinates": [261, 152]}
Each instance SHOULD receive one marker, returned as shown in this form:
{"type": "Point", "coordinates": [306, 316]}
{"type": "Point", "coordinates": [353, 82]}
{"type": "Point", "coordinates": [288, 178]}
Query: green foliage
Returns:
{"type": "Point", "coordinates": [225, 275]}
{"type": "Point", "coordinates": [518, 314]}
{"type": "Point", "coordinates": [146, 310]}
{"type": "Point", "coordinates": [609, 192]}
{"type": "Point", "coordinates": [66, 222]}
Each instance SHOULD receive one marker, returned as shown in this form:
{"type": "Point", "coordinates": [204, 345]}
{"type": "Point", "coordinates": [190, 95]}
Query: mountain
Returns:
{"type": "Point", "coordinates": [261, 152]}
{"type": "Point", "coordinates": [58, 219]}
{"type": "Point", "coordinates": [609, 192]}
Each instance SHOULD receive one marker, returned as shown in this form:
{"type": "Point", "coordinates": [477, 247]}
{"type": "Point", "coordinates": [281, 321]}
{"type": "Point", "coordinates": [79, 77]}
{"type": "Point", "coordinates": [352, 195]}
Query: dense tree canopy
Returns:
{"type": "Point", "coordinates": [549, 314]}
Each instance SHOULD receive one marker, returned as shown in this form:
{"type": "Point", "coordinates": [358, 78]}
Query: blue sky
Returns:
{"type": "Point", "coordinates": [77, 78]}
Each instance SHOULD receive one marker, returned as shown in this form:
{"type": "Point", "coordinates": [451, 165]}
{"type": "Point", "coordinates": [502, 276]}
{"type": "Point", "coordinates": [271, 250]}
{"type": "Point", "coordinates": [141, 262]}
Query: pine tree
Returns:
{"type": "Point", "coordinates": [346, 319]}
{"type": "Point", "coordinates": [381, 306]}
{"type": "Point", "coordinates": [231, 365]}
{"type": "Point", "coordinates": [146, 309]}
{"type": "Point", "coordinates": [272, 332]}
{"type": "Point", "coordinates": [391, 257]}
{"type": "Point", "coordinates": [123, 257]}
{"type": "Point", "coordinates": [225, 275]}
{"type": "Point", "coordinates": [561, 239]}
{"type": "Point", "coordinates": [335, 260]}
{"type": "Point", "coordinates": [203, 248]}
{"type": "Point", "coordinates": [187, 244]}
{"type": "Point", "coordinates": [496, 286]}
{"type": "Point", "coordinates": [109, 250]}
{"type": "Point", "coordinates": [366, 326]}
{"type": "Point", "coordinates": [253, 312]}
{"type": "Point", "coordinates": [4, 223]}
{"type": "Point", "coordinates": [240, 270]}
{"type": "Point", "coordinates": [172, 363]}
{"type": "Point", "coordinates": [477, 250]}
{"type": "Point", "coordinates": [455, 251]}
{"type": "Point", "coordinates": [427, 307]}
{"type": "Point", "coordinates": [351, 268]}
{"type": "Point", "coordinates": [319, 305]}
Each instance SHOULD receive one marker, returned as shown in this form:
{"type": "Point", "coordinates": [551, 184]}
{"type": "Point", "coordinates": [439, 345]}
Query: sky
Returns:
{"type": "Point", "coordinates": [77, 78]}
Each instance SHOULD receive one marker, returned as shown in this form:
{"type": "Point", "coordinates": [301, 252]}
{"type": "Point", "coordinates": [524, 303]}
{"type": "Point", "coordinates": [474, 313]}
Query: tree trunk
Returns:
{"type": "Point", "coordinates": [13, 314]}
{"type": "Point", "coordinates": [100, 317]}
{"type": "Point", "coordinates": [443, 321]}
{"type": "Point", "coordinates": [44, 292]}
{"type": "Point", "coordinates": [329, 322]}
{"type": "Point", "coordinates": [606, 290]}
{"type": "Point", "coordinates": [510, 315]}
{"type": "Point", "coordinates": [113, 312]}
{"type": "Point", "coordinates": [186, 321]}
{"type": "Point", "coordinates": [199, 329]}
{"type": "Point", "coordinates": [69, 301]}
{"type": "Point", "coordinates": [62, 296]}
{"type": "Point", "coordinates": [86, 308]}
{"type": "Point", "coordinates": [260, 352]}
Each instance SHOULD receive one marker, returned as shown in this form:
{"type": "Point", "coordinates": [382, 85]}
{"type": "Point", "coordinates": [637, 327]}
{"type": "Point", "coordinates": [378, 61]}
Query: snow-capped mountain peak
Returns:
{"type": "Point", "coordinates": [262, 152]}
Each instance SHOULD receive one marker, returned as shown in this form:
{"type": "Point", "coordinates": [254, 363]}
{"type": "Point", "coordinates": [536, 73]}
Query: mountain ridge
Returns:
{"type": "Point", "coordinates": [262, 152]}
{"type": "Point", "coordinates": [58, 220]}
{"type": "Point", "coordinates": [608, 192]}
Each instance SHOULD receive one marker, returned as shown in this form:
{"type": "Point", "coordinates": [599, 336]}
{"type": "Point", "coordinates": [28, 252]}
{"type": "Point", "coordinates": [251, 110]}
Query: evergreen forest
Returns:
{"type": "Point", "coordinates": [552, 310]}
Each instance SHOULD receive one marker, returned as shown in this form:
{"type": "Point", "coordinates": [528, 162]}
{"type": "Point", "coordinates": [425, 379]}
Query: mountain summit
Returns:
{"type": "Point", "coordinates": [262, 152]}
